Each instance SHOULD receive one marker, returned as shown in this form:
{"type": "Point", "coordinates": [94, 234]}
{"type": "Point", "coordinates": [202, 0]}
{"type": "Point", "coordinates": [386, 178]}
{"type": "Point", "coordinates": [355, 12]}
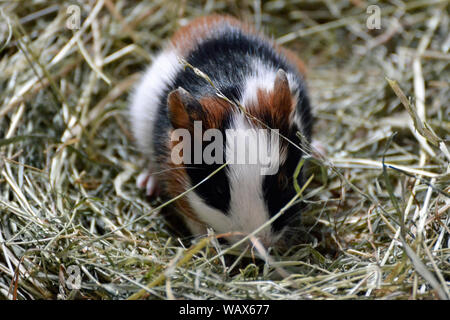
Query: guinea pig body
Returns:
{"type": "Point", "coordinates": [252, 72]}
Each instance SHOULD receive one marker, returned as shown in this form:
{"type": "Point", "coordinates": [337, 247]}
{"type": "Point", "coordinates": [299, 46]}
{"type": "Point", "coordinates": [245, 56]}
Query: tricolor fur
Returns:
{"type": "Point", "coordinates": [245, 67]}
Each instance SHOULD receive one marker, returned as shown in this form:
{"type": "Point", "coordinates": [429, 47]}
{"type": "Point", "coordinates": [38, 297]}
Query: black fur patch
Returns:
{"type": "Point", "coordinates": [278, 193]}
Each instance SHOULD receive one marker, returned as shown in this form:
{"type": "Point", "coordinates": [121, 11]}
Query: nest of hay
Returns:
{"type": "Point", "coordinates": [74, 226]}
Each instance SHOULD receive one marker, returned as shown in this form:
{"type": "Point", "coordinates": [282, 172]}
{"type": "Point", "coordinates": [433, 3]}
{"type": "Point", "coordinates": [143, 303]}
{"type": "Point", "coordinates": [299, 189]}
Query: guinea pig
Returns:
{"type": "Point", "coordinates": [264, 88]}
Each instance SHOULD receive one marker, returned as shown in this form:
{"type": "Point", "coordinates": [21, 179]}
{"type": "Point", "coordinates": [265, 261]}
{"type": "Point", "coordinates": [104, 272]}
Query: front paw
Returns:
{"type": "Point", "coordinates": [147, 181]}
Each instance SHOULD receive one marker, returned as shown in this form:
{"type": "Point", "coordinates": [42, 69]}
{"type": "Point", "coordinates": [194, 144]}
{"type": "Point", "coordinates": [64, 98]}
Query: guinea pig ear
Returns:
{"type": "Point", "coordinates": [282, 97]}
{"type": "Point", "coordinates": [184, 109]}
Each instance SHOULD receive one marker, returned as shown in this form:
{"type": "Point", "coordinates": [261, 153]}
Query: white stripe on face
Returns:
{"type": "Point", "coordinates": [248, 209]}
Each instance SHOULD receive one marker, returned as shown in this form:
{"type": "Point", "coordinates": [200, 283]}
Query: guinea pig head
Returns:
{"type": "Point", "coordinates": [260, 149]}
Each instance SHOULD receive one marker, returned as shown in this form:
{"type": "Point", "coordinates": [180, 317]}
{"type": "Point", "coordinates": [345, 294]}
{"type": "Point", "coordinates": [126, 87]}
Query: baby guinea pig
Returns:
{"type": "Point", "coordinates": [251, 71]}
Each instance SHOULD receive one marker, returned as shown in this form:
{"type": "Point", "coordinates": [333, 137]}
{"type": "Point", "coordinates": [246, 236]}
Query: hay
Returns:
{"type": "Point", "coordinates": [376, 224]}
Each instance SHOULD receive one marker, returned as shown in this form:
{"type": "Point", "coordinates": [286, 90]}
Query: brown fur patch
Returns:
{"type": "Point", "coordinates": [184, 109]}
{"type": "Point", "coordinates": [177, 110]}
{"type": "Point", "coordinates": [177, 182]}
{"type": "Point", "coordinates": [268, 109]}
{"type": "Point", "coordinates": [187, 37]}
{"type": "Point", "coordinates": [281, 98]}
{"type": "Point", "coordinates": [215, 109]}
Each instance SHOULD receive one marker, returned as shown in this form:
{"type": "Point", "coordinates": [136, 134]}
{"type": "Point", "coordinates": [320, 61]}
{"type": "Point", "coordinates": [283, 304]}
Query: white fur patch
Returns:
{"type": "Point", "coordinates": [209, 215]}
{"type": "Point", "coordinates": [248, 210]}
{"type": "Point", "coordinates": [147, 96]}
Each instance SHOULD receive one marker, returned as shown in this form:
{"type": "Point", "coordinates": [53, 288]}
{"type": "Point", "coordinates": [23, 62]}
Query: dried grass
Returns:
{"type": "Point", "coordinates": [377, 224]}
